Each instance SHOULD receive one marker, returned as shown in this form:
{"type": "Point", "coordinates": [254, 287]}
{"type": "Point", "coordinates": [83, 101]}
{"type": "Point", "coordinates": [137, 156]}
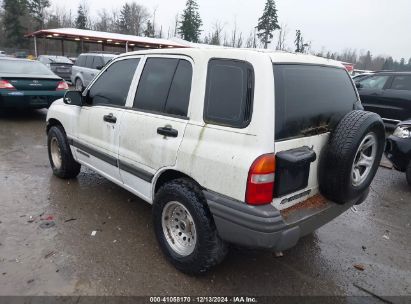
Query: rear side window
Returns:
{"type": "Point", "coordinates": [309, 97]}
{"type": "Point", "coordinates": [81, 61]}
{"type": "Point", "coordinates": [401, 83]}
{"type": "Point", "coordinates": [89, 62]}
{"type": "Point", "coordinates": [164, 86]}
{"type": "Point", "coordinates": [229, 93]}
{"type": "Point", "coordinates": [112, 87]}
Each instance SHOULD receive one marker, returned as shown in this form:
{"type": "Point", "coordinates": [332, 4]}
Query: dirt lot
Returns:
{"type": "Point", "coordinates": [123, 257]}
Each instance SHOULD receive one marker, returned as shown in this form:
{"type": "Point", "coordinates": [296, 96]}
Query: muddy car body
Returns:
{"type": "Point", "coordinates": [230, 146]}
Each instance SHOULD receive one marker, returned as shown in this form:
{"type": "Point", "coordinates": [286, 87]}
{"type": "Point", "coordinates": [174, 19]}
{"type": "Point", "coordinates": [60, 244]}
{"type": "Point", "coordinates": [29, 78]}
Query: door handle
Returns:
{"type": "Point", "coordinates": [110, 118]}
{"type": "Point", "coordinates": [167, 131]}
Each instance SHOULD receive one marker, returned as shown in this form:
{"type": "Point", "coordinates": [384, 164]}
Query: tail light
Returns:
{"type": "Point", "coordinates": [4, 84]}
{"type": "Point", "coordinates": [260, 181]}
{"type": "Point", "coordinates": [62, 86]}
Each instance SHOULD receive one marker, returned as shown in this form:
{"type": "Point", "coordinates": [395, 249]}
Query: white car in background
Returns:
{"type": "Point", "coordinates": [229, 146]}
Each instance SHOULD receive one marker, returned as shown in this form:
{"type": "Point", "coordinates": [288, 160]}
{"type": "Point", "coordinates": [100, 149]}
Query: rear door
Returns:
{"type": "Point", "coordinates": [397, 99]}
{"type": "Point", "coordinates": [310, 100]}
{"type": "Point", "coordinates": [99, 122]}
{"type": "Point", "coordinates": [153, 128]}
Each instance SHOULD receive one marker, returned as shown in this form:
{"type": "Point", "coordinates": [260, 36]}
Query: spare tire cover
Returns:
{"type": "Point", "coordinates": [351, 158]}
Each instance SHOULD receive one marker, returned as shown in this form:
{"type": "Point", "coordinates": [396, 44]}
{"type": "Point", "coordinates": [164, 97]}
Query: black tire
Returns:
{"type": "Point", "coordinates": [78, 85]}
{"type": "Point", "coordinates": [408, 174]}
{"type": "Point", "coordinates": [209, 249]}
{"type": "Point", "coordinates": [337, 159]}
{"type": "Point", "coordinates": [68, 168]}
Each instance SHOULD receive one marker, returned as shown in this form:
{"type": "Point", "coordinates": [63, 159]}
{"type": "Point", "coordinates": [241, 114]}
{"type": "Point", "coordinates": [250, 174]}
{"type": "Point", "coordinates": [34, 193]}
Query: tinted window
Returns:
{"type": "Point", "coordinates": [89, 61]}
{"type": "Point", "coordinates": [374, 82]}
{"type": "Point", "coordinates": [155, 84]}
{"type": "Point", "coordinates": [308, 97]}
{"type": "Point", "coordinates": [229, 93]}
{"type": "Point", "coordinates": [401, 83]}
{"type": "Point", "coordinates": [97, 62]}
{"type": "Point", "coordinates": [179, 95]}
{"type": "Point", "coordinates": [112, 87]}
{"type": "Point", "coordinates": [81, 61]}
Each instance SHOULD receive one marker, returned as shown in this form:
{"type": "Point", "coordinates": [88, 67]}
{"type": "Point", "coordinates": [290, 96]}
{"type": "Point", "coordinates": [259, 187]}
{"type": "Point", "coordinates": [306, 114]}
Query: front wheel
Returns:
{"type": "Point", "coordinates": [185, 229]}
{"type": "Point", "coordinates": [61, 159]}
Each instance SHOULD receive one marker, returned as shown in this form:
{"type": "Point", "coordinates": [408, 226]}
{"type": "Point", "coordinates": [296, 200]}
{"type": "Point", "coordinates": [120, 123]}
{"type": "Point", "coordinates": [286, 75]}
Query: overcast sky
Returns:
{"type": "Point", "coordinates": [381, 26]}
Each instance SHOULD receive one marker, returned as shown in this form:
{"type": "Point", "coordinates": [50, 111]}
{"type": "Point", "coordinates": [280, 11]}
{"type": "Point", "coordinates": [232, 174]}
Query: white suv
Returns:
{"type": "Point", "coordinates": [230, 146]}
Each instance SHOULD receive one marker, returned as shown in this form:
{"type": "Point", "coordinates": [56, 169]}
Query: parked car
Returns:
{"type": "Point", "coordinates": [360, 77]}
{"type": "Point", "coordinates": [225, 151]}
{"type": "Point", "coordinates": [398, 149]}
{"type": "Point", "coordinates": [28, 84]}
{"type": "Point", "coordinates": [87, 66]}
{"type": "Point", "coordinates": [387, 94]}
{"type": "Point", "coordinates": [60, 65]}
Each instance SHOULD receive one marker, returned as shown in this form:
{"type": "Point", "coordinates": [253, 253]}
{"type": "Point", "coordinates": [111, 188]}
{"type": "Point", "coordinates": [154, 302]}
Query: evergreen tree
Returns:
{"type": "Point", "coordinates": [81, 19]}
{"type": "Point", "coordinates": [149, 31]}
{"type": "Point", "coordinates": [190, 23]}
{"type": "Point", "coordinates": [36, 9]}
{"type": "Point", "coordinates": [124, 20]}
{"type": "Point", "coordinates": [14, 30]}
{"type": "Point", "coordinates": [267, 23]}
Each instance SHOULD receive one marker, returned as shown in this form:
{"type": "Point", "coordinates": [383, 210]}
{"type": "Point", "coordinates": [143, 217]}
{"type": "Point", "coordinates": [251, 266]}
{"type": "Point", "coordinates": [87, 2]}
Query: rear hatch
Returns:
{"type": "Point", "coordinates": [60, 68]}
{"type": "Point", "coordinates": [310, 100]}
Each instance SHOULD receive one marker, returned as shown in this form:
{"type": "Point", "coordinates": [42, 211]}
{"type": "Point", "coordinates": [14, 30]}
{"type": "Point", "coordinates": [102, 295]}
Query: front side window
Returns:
{"type": "Point", "coordinates": [309, 97]}
{"type": "Point", "coordinates": [401, 83]}
{"type": "Point", "coordinates": [374, 82]}
{"type": "Point", "coordinates": [229, 93]}
{"type": "Point", "coordinates": [98, 63]}
{"type": "Point", "coordinates": [165, 86]}
{"type": "Point", "coordinates": [112, 87]}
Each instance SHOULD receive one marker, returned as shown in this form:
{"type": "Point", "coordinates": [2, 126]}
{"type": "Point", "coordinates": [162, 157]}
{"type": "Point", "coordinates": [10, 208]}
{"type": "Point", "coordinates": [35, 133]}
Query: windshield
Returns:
{"type": "Point", "coordinates": [24, 67]}
{"type": "Point", "coordinates": [56, 59]}
{"type": "Point", "coordinates": [310, 98]}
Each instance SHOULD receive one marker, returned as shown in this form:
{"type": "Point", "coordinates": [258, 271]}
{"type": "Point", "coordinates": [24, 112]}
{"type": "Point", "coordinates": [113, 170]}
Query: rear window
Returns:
{"type": "Point", "coordinates": [310, 98]}
{"type": "Point", "coordinates": [24, 67]}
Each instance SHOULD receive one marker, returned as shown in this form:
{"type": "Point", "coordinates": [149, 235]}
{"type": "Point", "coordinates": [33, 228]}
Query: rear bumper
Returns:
{"type": "Point", "coordinates": [29, 99]}
{"type": "Point", "coordinates": [264, 226]}
{"type": "Point", "coordinates": [398, 151]}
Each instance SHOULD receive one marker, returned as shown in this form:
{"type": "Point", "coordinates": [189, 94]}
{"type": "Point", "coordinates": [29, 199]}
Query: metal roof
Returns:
{"type": "Point", "coordinates": [108, 39]}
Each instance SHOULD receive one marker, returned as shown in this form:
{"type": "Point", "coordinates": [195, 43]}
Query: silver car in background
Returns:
{"type": "Point", "coordinates": [87, 66]}
{"type": "Point", "coordinates": [59, 65]}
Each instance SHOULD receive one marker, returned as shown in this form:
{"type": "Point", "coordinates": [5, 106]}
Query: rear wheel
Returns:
{"type": "Point", "coordinates": [60, 157]}
{"type": "Point", "coordinates": [408, 174]}
{"type": "Point", "coordinates": [79, 85]}
{"type": "Point", "coordinates": [185, 229]}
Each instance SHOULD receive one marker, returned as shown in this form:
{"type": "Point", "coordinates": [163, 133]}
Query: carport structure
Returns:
{"type": "Point", "coordinates": [128, 42]}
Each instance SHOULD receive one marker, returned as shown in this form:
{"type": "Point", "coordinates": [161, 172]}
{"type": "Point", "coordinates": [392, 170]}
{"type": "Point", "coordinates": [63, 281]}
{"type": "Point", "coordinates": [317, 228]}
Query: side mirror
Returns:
{"type": "Point", "coordinates": [74, 98]}
{"type": "Point", "coordinates": [99, 67]}
{"type": "Point", "coordinates": [358, 85]}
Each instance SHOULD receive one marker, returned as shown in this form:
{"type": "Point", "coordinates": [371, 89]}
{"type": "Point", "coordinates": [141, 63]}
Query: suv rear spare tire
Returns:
{"type": "Point", "coordinates": [352, 156]}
